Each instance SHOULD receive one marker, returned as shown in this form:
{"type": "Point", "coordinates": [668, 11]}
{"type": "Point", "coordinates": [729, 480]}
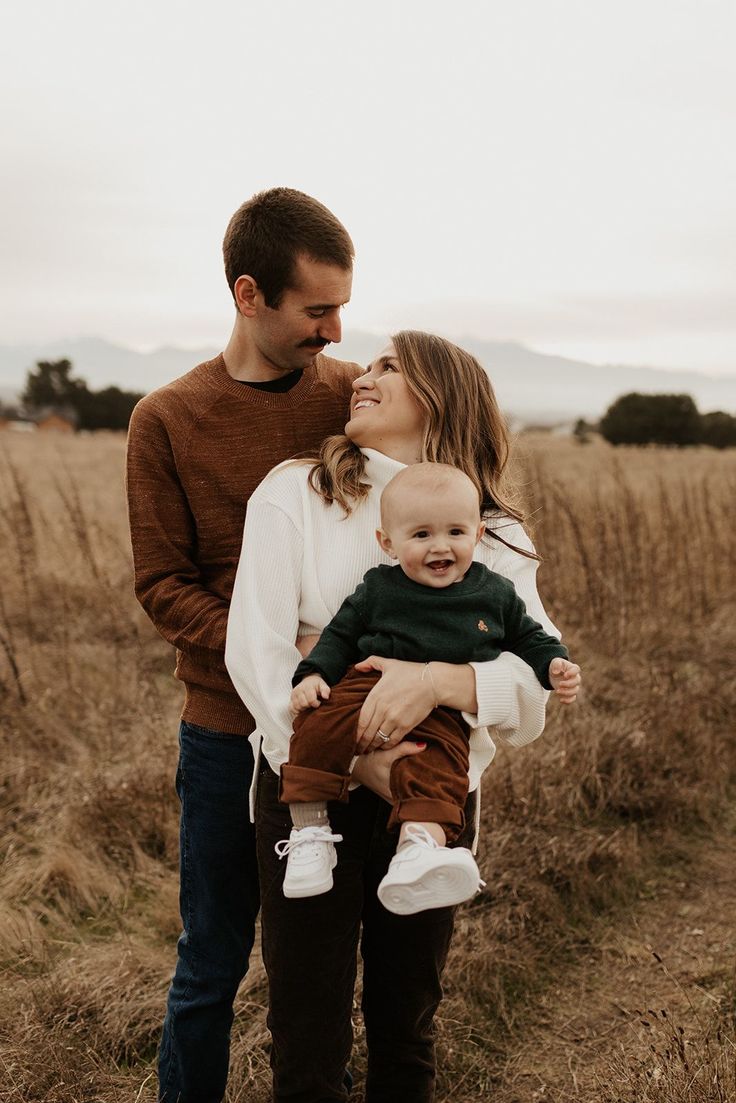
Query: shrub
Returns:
{"type": "Point", "coordinates": [718, 429]}
{"type": "Point", "coordinates": [652, 419]}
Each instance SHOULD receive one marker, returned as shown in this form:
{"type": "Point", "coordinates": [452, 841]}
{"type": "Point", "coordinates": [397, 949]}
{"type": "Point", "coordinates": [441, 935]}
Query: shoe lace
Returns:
{"type": "Point", "coordinates": [419, 834]}
{"type": "Point", "coordinates": [304, 836]}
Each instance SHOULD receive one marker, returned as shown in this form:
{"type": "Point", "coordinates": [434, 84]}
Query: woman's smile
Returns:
{"type": "Point", "coordinates": [398, 428]}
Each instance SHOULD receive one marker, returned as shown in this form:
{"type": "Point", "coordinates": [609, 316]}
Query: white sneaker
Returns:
{"type": "Point", "coordinates": [310, 859]}
{"type": "Point", "coordinates": [425, 875]}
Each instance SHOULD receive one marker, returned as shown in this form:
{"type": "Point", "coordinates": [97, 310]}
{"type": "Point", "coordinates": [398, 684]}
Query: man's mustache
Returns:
{"type": "Point", "coordinates": [313, 343]}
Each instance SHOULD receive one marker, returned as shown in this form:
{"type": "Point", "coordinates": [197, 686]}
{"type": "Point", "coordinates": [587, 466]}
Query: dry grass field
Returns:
{"type": "Point", "coordinates": [586, 834]}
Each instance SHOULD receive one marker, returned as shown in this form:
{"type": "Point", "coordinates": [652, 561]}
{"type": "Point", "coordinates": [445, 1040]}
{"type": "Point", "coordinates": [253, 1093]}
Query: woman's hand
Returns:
{"type": "Point", "coordinates": [399, 701]}
{"type": "Point", "coordinates": [374, 770]}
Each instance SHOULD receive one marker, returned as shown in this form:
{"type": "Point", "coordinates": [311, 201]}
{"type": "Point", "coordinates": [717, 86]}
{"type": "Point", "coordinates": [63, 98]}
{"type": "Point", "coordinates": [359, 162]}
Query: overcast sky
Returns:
{"type": "Point", "coordinates": [559, 172]}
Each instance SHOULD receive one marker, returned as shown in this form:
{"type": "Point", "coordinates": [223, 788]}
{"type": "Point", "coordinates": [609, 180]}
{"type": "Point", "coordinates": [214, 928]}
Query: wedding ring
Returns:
{"type": "Point", "coordinates": [383, 736]}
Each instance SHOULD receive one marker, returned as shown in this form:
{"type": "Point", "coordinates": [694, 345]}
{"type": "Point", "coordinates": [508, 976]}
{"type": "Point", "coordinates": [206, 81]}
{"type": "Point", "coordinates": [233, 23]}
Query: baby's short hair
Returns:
{"type": "Point", "coordinates": [425, 476]}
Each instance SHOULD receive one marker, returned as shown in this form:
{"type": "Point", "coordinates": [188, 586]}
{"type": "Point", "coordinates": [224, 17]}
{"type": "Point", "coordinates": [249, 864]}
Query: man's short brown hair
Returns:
{"type": "Point", "coordinates": [271, 230]}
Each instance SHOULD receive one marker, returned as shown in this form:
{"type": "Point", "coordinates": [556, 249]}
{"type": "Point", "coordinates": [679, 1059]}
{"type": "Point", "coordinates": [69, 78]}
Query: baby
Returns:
{"type": "Point", "coordinates": [437, 604]}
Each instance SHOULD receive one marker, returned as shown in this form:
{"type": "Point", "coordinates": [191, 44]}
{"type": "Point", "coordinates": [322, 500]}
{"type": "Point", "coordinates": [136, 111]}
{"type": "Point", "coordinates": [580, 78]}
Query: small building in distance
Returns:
{"type": "Point", "coordinates": [56, 419]}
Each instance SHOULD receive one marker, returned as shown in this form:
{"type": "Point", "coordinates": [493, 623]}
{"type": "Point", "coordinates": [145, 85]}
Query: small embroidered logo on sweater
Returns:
{"type": "Point", "coordinates": [482, 626]}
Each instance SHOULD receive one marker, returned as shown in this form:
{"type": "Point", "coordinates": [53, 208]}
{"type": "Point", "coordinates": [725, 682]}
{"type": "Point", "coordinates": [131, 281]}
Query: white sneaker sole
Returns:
{"type": "Point", "coordinates": [298, 892]}
{"type": "Point", "coordinates": [441, 887]}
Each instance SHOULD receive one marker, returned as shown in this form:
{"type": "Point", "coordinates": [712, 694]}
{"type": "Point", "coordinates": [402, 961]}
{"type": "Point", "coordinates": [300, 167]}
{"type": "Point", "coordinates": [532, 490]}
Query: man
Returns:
{"type": "Point", "coordinates": [197, 449]}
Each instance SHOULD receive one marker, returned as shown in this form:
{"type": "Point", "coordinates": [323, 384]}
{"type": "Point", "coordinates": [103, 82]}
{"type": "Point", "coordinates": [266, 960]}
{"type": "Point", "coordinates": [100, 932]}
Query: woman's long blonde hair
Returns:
{"type": "Point", "coordinates": [464, 428]}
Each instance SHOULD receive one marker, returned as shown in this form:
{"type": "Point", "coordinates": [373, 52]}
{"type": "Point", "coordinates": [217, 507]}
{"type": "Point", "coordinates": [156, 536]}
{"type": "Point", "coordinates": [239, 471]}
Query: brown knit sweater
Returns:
{"type": "Point", "coordinates": [197, 449]}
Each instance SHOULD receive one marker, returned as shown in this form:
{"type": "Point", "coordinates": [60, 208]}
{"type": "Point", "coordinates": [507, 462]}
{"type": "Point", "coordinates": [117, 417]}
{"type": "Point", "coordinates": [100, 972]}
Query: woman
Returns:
{"type": "Point", "coordinates": [309, 538]}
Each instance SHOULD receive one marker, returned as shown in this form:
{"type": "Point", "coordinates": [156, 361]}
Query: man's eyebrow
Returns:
{"type": "Point", "coordinates": [326, 306]}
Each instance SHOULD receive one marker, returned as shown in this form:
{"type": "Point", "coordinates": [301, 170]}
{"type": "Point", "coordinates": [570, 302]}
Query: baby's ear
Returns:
{"type": "Point", "coordinates": [481, 531]}
{"type": "Point", "coordinates": [385, 542]}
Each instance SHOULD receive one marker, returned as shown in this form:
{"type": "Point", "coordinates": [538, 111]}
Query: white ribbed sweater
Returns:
{"type": "Point", "coordinates": [300, 560]}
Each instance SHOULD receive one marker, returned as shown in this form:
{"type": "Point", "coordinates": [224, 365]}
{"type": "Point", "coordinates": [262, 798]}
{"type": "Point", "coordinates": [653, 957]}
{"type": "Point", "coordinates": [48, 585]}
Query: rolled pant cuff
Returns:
{"type": "Point", "coordinates": [301, 783]}
{"type": "Point", "coordinates": [424, 810]}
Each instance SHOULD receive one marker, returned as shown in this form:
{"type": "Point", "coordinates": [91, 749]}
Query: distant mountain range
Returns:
{"type": "Point", "coordinates": [531, 386]}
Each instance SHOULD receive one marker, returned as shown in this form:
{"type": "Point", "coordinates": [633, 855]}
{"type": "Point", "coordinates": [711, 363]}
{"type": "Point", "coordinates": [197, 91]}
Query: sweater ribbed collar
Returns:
{"type": "Point", "coordinates": [380, 469]}
{"type": "Point", "coordinates": [273, 400]}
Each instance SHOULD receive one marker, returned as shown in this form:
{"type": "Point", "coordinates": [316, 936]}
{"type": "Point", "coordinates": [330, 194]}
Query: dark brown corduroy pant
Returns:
{"type": "Point", "coordinates": [310, 949]}
{"type": "Point", "coordinates": [430, 787]}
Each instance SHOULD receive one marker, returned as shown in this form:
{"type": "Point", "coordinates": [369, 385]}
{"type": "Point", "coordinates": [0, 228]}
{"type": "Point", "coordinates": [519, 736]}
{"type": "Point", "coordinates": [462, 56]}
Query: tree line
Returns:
{"type": "Point", "coordinates": [668, 419]}
{"type": "Point", "coordinates": [51, 386]}
{"type": "Point", "coordinates": [665, 419]}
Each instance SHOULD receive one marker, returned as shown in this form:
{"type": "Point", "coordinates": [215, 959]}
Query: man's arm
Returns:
{"type": "Point", "coordinates": [167, 580]}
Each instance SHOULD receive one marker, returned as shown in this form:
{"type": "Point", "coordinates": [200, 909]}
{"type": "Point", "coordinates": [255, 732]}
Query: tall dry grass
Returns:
{"type": "Point", "coordinates": [638, 551]}
{"type": "Point", "coordinates": [691, 1063]}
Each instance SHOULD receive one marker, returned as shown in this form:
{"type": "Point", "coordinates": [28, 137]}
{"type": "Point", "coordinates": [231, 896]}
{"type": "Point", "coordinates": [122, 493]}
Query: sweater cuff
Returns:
{"type": "Point", "coordinates": [510, 699]}
{"type": "Point", "coordinates": [495, 694]}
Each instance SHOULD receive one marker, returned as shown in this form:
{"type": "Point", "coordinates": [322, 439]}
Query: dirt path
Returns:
{"type": "Point", "coordinates": [658, 977]}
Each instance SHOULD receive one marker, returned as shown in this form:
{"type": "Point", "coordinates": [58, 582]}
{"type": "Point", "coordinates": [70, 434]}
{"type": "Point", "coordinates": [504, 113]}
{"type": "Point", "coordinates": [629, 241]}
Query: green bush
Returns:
{"type": "Point", "coordinates": [652, 419]}
{"type": "Point", "coordinates": [718, 429]}
{"type": "Point", "coordinates": [51, 386]}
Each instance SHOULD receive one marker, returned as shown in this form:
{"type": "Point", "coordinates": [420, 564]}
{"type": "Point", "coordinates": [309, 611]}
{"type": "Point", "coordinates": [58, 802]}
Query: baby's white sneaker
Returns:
{"type": "Point", "coordinates": [310, 859]}
{"type": "Point", "coordinates": [424, 875]}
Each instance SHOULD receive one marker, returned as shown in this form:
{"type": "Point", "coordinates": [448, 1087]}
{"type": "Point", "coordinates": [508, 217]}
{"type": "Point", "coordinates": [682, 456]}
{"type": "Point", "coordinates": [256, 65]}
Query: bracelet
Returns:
{"type": "Point", "coordinates": [426, 670]}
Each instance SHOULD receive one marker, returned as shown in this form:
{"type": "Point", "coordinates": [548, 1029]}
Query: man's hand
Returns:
{"type": "Point", "coordinates": [309, 694]}
{"type": "Point", "coordinates": [565, 679]}
{"type": "Point", "coordinates": [397, 703]}
{"type": "Point", "coordinates": [374, 770]}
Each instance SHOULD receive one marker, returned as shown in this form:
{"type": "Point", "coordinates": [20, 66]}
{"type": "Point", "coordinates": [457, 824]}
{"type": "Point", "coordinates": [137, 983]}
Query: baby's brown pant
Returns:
{"type": "Point", "coordinates": [430, 787]}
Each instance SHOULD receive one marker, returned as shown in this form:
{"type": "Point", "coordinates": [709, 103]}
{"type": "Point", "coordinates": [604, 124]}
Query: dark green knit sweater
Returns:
{"type": "Point", "coordinates": [392, 616]}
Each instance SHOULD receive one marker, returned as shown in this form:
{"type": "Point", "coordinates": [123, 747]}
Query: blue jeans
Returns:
{"type": "Point", "coordinates": [219, 904]}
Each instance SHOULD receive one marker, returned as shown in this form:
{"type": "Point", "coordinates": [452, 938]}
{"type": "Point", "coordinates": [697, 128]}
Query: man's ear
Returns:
{"type": "Point", "coordinates": [385, 542]}
{"type": "Point", "coordinates": [246, 295]}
